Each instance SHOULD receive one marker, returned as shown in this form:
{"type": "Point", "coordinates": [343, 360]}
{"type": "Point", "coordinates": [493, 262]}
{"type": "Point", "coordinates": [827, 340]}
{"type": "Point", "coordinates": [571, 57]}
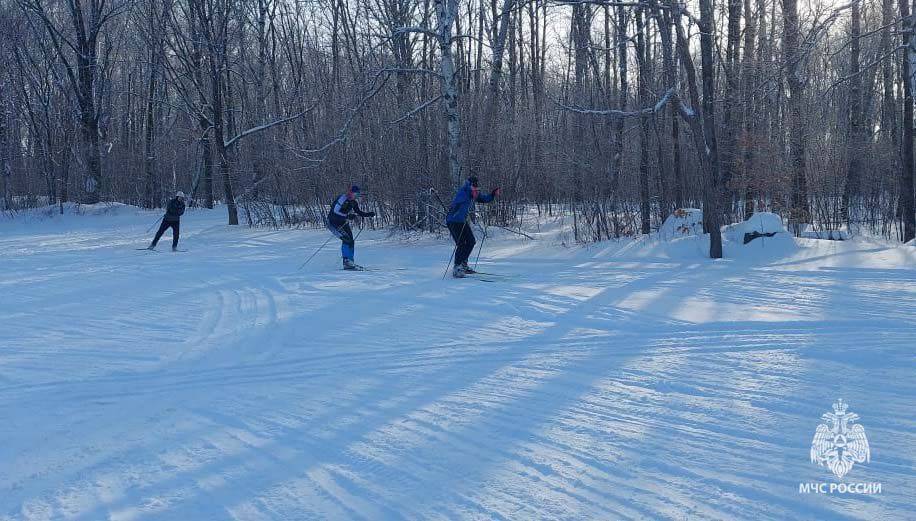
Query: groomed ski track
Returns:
{"type": "Point", "coordinates": [632, 380]}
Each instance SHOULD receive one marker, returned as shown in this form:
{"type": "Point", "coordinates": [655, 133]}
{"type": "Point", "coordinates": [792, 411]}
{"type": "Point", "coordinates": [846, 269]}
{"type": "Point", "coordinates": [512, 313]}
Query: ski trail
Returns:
{"type": "Point", "coordinates": [600, 383]}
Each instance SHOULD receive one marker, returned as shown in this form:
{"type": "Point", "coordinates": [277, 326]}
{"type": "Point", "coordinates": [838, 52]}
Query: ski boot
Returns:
{"type": "Point", "coordinates": [458, 272]}
{"type": "Point", "coordinates": [467, 269]}
{"type": "Point", "coordinates": [349, 265]}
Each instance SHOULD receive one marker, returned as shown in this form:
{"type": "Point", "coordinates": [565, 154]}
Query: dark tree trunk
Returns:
{"type": "Point", "coordinates": [730, 117]}
{"type": "Point", "coordinates": [6, 171]}
{"type": "Point", "coordinates": [749, 133]}
{"type": "Point", "coordinates": [622, 74]}
{"type": "Point", "coordinates": [855, 141]}
{"type": "Point", "coordinates": [793, 55]}
{"type": "Point", "coordinates": [905, 206]}
{"type": "Point", "coordinates": [712, 218]}
{"type": "Point", "coordinates": [645, 209]}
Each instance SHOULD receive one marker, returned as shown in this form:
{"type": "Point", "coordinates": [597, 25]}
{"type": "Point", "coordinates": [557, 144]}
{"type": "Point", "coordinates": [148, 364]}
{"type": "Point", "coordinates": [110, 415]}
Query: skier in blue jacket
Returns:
{"type": "Point", "coordinates": [345, 208]}
{"type": "Point", "coordinates": [457, 222]}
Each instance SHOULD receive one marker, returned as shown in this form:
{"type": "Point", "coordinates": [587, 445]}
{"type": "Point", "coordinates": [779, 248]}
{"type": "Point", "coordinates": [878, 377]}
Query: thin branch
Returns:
{"type": "Point", "coordinates": [413, 112]}
{"type": "Point", "coordinates": [266, 126]}
{"type": "Point", "coordinates": [648, 111]}
{"type": "Point", "coordinates": [864, 68]}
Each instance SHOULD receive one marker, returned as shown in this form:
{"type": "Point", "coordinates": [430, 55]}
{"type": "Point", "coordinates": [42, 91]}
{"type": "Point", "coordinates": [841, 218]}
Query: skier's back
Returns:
{"type": "Point", "coordinates": [172, 219]}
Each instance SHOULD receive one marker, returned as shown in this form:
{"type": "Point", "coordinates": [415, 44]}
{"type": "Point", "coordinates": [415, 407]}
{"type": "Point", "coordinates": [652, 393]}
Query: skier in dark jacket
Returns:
{"type": "Point", "coordinates": [457, 222]}
{"type": "Point", "coordinates": [172, 218]}
{"type": "Point", "coordinates": [345, 208]}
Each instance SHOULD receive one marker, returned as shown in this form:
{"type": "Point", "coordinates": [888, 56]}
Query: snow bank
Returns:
{"type": "Point", "coordinates": [76, 216]}
{"type": "Point", "coordinates": [59, 212]}
{"type": "Point", "coordinates": [829, 235]}
{"type": "Point", "coordinates": [72, 208]}
{"type": "Point", "coordinates": [683, 222]}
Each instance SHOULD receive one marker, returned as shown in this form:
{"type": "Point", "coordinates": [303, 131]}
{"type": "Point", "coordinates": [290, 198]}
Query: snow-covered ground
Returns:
{"type": "Point", "coordinates": [632, 380]}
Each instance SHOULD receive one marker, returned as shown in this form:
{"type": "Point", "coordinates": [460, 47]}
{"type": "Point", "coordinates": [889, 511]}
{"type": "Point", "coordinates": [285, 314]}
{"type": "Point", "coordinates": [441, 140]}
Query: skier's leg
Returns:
{"type": "Point", "coordinates": [175, 235]}
{"type": "Point", "coordinates": [455, 229]}
{"type": "Point", "coordinates": [348, 246]}
{"type": "Point", "coordinates": [335, 229]}
{"type": "Point", "coordinates": [465, 246]}
{"type": "Point", "coordinates": [163, 226]}
{"type": "Point", "coordinates": [472, 241]}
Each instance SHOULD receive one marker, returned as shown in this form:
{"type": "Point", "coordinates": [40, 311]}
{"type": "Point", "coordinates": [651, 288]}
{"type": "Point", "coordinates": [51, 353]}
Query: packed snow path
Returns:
{"type": "Point", "coordinates": [621, 381]}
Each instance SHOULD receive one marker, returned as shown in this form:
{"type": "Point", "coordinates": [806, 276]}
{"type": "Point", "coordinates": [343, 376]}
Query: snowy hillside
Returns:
{"type": "Point", "coordinates": [632, 380]}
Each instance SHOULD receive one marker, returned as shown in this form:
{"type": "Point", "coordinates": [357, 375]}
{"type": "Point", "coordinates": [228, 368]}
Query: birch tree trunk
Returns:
{"type": "Point", "coordinates": [446, 11]}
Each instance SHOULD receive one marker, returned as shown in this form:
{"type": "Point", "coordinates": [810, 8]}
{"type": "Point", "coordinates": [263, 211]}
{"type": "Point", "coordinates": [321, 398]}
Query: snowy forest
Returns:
{"type": "Point", "coordinates": [614, 113]}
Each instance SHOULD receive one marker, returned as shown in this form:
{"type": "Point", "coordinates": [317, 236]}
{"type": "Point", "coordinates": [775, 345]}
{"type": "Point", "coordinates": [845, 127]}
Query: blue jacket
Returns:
{"type": "Point", "coordinates": [463, 203]}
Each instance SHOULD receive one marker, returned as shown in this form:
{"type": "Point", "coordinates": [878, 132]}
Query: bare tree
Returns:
{"type": "Point", "coordinates": [77, 43]}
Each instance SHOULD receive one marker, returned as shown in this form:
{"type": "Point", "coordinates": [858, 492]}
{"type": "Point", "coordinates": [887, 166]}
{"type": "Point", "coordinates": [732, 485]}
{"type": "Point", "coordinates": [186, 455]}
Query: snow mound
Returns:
{"type": "Point", "coordinates": [683, 222]}
{"type": "Point", "coordinates": [762, 224]}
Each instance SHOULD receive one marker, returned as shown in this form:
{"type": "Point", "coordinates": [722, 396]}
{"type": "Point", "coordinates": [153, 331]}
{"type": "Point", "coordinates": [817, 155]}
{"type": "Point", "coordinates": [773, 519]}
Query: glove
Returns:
{"type": "Point", "coordinates": [496, 192]}
{"type": "Point", "coordinates": [369, 214]}
{"type": "Point", "coordinates": [351, 216]}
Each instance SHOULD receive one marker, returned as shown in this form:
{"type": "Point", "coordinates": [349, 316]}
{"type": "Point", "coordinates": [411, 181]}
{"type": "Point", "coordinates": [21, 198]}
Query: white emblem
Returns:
{"type": "Point", "coordinates": [838, 444]}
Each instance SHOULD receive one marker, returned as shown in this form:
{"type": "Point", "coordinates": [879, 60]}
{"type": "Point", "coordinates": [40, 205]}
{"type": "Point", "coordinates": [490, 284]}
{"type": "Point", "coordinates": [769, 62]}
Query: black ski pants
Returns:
{"type": "Point", "coordinates": [165, 226]}
{"type": "Point", "coordinates": [464, 241]}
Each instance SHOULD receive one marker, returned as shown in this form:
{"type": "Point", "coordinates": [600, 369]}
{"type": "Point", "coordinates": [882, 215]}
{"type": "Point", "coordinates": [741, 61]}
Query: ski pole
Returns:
{"type": "Point", "coordinates": [155, 223]}
{"type": "Point", "coordinates": [480, 249]}
{"type": "Point", "coordinates": [322, 246]}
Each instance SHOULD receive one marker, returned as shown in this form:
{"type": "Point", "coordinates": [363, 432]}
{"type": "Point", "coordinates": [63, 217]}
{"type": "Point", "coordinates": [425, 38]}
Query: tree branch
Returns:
{"type": "Point", "coordinates": [413, 112]}
{"type": "Point", "coordinates": [266, 126]}
{"type": "Point", "coordinates": [659, 105]}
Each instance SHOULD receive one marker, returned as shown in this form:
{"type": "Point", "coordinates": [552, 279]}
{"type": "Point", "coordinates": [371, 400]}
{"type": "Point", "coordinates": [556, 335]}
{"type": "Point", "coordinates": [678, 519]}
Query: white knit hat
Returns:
{"type": "Point", "coordinates": [180, 194]}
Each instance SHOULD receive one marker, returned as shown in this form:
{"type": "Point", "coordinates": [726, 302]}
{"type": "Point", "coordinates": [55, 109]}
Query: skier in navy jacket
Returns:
{"type": "Point", "coordinates": [346, 208]}
{"type": "Point", "coordinates": [172, 219]}
{"type": "Point", "coordinates": [457, 222]}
